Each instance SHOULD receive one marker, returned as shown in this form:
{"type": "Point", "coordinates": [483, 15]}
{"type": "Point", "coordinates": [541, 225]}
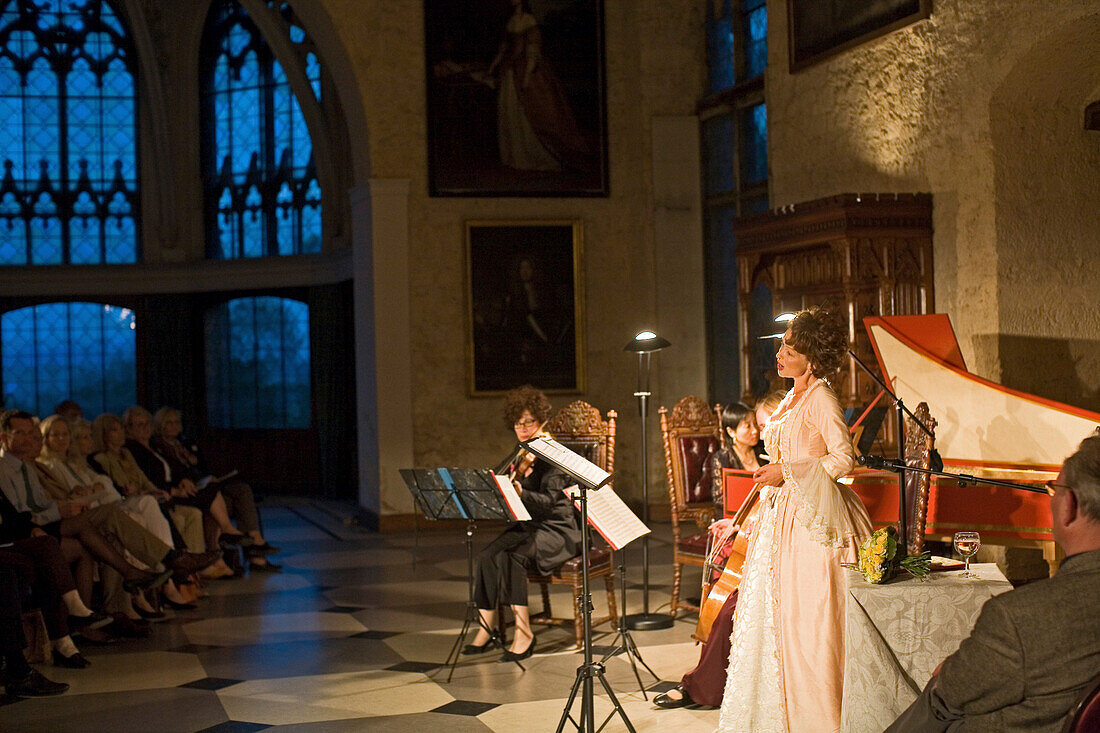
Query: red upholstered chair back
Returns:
{"type": "Point", "coordinates": [1085, 715]}
{"type": "Point", "coordinates": [690, 434]}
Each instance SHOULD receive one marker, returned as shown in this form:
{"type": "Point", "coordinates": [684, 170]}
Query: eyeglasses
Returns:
{"type": "Point", "coordinates": [525, 423]}
{"type": "Point", "coordinates": [1052, 487]}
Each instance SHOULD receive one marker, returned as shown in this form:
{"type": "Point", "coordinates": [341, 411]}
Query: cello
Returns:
{"type": "Point", "coordinates": [717, 592]}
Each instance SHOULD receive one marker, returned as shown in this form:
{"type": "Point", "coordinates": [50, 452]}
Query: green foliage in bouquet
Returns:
{"type": "Point", "coordinates": [879, 559]}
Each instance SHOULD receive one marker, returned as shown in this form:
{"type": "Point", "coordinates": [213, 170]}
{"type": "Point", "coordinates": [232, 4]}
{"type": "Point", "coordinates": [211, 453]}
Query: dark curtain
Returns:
{"type": "Point", "coordinates": [332, 335]}
{"type": "Point", "coordinates": [170, 356]}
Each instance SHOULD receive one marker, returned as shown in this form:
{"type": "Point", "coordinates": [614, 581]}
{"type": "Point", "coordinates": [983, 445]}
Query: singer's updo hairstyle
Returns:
{"type": "Point", "coordinates": [821, 337]}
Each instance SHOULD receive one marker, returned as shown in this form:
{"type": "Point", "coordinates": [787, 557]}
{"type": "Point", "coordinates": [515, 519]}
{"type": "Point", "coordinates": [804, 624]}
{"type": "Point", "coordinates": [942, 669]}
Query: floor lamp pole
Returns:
{"type": "Point", "coordinates": [645, 621]}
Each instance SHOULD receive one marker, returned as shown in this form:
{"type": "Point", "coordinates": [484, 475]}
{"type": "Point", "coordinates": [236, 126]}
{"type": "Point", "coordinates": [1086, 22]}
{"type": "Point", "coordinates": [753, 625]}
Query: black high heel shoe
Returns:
{"type": "Point", "coordinates": [509, 656]}
{"type": "Point", "coordinates": [73, 661]}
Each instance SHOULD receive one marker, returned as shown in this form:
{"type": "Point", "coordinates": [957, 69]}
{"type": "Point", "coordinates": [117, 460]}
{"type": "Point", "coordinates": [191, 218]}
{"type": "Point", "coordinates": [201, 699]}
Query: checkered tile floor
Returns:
{"type": "Point", "coordinates": [352, 636]}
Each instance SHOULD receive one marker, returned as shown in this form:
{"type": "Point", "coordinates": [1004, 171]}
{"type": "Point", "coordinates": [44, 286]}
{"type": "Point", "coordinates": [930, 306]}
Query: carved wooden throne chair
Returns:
{"type": "Point", "coordinates": [691, 435]}
{"type": "Point", "coordinates": [580, 428]}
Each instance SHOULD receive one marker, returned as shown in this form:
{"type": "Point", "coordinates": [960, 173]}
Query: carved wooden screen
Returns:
{"type": "Point", "coordinates": [863, 254]}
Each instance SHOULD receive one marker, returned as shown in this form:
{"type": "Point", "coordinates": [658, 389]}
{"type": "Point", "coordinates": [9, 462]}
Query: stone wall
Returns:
{"type": "Point", "coordinates": [982, 105]}
{"type": "Point", "coordinates": [655, 70]}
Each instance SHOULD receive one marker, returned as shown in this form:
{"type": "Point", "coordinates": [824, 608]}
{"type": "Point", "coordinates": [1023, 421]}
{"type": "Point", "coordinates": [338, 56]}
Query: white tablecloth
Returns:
{"type": "Point", "coordinates": [896, 635]}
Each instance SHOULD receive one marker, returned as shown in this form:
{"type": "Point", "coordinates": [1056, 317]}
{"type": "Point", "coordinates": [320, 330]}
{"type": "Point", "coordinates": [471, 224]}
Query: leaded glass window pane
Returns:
{"type": "Point", "coordinates": [257, 364]}
{"type": "Point", "coordinates": [720, 48]}
{"type": "Point", "coordinates": [58, 351]}
{"type": "Point", "coordinates": [718, 146]}
{"type": "Point", "coordinates": [755, 18]}
{"type": "Point", "coordinates": [262, 194]}
{"type": "Point", "coordinates": [68, 135]}
{"type": "Point", "coordinates": [754, 145]}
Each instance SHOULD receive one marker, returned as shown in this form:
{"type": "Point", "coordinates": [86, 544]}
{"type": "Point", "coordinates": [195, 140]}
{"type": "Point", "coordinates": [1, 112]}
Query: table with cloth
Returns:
{"type": "Point", "coordinates": [897, 633]}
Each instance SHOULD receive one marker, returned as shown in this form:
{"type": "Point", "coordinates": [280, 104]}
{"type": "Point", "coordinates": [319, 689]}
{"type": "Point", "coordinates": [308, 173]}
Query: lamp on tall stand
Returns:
{"type": "Point", "coordinates": [644, 344]}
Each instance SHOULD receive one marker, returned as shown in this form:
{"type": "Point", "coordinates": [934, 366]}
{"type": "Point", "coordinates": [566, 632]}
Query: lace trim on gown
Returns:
{"type": "Point", "coordinates": [754, 699]}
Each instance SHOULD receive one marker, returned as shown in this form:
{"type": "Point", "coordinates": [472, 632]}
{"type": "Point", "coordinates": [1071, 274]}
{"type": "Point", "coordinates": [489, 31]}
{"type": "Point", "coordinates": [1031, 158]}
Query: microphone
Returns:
{"type": "Point", "coordinates": [874, 462]}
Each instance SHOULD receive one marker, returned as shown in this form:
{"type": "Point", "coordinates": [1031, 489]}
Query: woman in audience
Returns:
{"type": "Point", "coordinates": [185, 459]}
{"type": "Point", "coordinates": [68, 477]}
{"type": "Point", "coordinates": [113, 459]}
{"type": "Point", "coordinates": [138, 425]}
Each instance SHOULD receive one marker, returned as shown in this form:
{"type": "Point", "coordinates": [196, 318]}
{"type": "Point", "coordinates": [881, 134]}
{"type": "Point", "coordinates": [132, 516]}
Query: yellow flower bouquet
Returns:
{"type": "Point", "coordinates": [879, 561]}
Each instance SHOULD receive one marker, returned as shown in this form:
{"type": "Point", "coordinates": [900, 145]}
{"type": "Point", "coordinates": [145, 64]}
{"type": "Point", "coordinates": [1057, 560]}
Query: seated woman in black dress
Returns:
{"type": "Point", "coordinates": [551, 537]}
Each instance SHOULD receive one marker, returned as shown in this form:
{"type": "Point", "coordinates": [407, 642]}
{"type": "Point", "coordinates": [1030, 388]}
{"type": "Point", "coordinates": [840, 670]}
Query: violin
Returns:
{"type": "Point", "coordinates": [716, 593]}
{"type": "Point", "coordinates": [523, 462]}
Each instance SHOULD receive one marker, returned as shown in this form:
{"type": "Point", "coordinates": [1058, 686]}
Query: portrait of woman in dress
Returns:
{"type": "Point", "coordinates": [536, 128]}
{"type": "Point", "coordinates": [786, 660]}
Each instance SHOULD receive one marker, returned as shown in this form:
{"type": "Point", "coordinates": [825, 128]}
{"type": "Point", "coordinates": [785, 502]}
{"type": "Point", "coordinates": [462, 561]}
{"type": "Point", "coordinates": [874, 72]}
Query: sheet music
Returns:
{"type": "Point", "coordinates": [511, 498]}
{"type": "Point", "coordinates": [559, 455]}
{"type": "Point", "coordinates": [610, 516]}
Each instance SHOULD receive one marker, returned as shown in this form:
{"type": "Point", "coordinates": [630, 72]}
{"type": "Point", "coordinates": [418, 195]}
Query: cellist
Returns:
{"type": "Point", "coordinates": [740, 449]}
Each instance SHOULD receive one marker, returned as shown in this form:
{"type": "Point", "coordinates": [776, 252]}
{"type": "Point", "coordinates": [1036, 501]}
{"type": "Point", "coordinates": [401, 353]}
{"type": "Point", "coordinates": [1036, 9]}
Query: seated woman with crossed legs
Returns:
{"type": "Point", "coordinates": [551, 537]}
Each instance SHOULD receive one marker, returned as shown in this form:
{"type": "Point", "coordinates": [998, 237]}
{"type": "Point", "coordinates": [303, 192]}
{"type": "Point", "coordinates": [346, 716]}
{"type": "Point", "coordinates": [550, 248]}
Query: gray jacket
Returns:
{"type": "Point", "coordinates": [1028, 660]}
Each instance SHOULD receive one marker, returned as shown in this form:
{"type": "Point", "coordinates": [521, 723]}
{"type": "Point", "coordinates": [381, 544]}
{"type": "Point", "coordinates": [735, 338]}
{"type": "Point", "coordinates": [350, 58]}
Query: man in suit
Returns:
{"type": "Point", "coordinates": [1034, 650]}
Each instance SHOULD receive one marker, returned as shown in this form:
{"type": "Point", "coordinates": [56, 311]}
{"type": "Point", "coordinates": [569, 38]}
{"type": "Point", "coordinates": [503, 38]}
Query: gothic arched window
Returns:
{"type": "Point", "coordinates": [257, 364]}
{"type": "Point", "coordinates": [58, 351]}
{"type": "Point", "coordinates": [262, 195]}
{"type": "Point", "coordinates": [68, 135]}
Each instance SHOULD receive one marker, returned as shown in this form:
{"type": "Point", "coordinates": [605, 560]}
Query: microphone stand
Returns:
{"type": "Point", "coordinates": [964, 479]}
{"type": "Point", "coordinates": [902, 411]}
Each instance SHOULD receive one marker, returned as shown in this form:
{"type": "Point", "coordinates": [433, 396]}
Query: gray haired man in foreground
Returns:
{"type": "Point", "coordinates": [1034, 650]}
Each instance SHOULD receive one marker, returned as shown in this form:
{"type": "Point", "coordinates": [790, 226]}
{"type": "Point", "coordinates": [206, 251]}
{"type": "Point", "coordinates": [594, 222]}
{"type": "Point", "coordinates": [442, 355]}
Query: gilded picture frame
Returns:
{"type": "Point", "coordinates": [524, 306]}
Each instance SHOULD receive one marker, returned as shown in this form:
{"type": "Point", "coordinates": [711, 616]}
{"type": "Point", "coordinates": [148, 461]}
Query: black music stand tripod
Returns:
{"type": "Point", "coordinates": [460, 494]}
{"type": "Point", "coordinates": [627, 645]}
{"type": "Point", "coordinates": [590, 670]}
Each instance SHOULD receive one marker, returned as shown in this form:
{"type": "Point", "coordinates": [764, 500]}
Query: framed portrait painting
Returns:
{"type": "Point", "coordinates": [516, 101]}
{"type": "Point", "coordinates": [525, 306]}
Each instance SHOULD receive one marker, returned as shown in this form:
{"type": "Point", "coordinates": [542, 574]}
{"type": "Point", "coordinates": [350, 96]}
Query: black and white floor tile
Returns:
{"type": "Point", "coordinates": [352, 636]}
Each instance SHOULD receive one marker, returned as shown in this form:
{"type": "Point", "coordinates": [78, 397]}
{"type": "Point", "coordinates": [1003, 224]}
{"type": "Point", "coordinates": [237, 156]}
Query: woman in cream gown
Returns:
{"type": "Point", "coordinates": [787, 647]}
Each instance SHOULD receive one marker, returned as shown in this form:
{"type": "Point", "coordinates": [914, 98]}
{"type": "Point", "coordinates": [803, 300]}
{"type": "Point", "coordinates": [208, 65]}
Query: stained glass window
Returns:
{"type": "Point", "coordinates": [737, 51]}
{"type": "Point", "coordinates": [58, 351]}
{"type": "Point", "coordinates": [257, 364]}
{"type": "Point", "coordinates": [720, 43]}
{"type": "Point", "coordinates": [754, 145]}
{"type": "Point", "coordinates": [754, 34]}
{"type": "Point", "coordinates": [68, 135]}
{"type": "Point", "coordinates": [262, 194]}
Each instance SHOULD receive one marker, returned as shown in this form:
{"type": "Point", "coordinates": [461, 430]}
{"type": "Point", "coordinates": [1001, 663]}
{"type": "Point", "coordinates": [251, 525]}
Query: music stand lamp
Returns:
{"type": "Point", "coordinates": [644, 344]}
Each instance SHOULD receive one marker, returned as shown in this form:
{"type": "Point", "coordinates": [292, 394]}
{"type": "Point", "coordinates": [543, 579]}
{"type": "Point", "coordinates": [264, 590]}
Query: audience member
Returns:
{"type": "Point", "coordinates": [19, 678]}
{"type": "Point", "coordinates": [68, 478]}
{"type": "Point", "coordinates": [138, 425]}
{"type": "Point", "coordinates": [110, 457]}
{"type": "Point", "coordinates": [1033, 650]}
{"type": "Point", "coordinates": [22, 442]}
{"type": "Point", "coordinates": [69, 410]}
{"type": "Point", "coordinates": [185, 458]}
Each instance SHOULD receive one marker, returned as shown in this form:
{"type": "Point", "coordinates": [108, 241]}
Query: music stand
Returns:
{"type": "Point", "coordinates": [460, 493]}
{"type": "Point", "coordinates": [589, 476]}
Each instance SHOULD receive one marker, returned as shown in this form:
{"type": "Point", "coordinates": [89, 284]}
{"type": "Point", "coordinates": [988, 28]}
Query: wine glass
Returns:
{"type": "Point", "coordinates": [967, 544]}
